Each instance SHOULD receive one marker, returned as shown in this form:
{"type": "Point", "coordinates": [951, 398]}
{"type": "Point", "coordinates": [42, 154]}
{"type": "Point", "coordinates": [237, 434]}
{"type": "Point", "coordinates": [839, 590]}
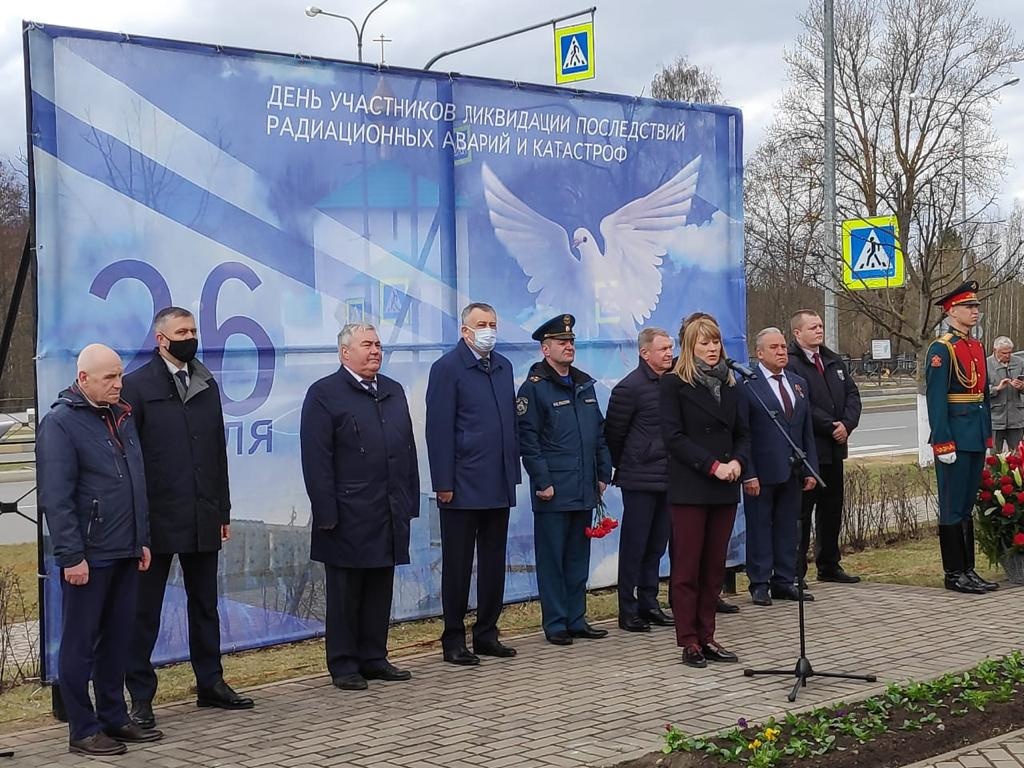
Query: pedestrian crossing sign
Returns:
{"type": "Point", "coordinates": [574, 53]}
{"type": "Point", "coordinates": [872, 257]}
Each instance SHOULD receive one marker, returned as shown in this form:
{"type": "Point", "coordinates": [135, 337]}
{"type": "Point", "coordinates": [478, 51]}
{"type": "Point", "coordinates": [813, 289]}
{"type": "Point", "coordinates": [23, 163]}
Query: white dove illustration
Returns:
{"type": "Point", "coordinates": [617, 289]}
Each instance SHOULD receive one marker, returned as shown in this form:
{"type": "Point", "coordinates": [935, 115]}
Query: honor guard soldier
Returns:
{"type": "Point", "coordinates": [961, 430]}
{"type": "Point", "coordinates": [561, 438]}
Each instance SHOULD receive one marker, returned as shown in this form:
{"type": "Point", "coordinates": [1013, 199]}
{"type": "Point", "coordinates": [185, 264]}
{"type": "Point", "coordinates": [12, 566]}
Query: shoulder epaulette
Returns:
{"type": "Point", "coordinates": [535, 378]}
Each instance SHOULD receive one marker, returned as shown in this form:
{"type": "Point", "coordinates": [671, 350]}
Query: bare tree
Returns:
{"type": "Point", "coordinates": [902, 156]}
{"type": "Point", "coordinates": [16, 382]}
{"type": "Point", "coordinates": [683, 81]}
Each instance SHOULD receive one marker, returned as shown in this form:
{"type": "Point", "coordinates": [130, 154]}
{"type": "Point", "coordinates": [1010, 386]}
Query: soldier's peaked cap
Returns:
{"type": "Point", "coordinates": [556, 328]}
{"type": "Point", "coordinates": [964, 295]}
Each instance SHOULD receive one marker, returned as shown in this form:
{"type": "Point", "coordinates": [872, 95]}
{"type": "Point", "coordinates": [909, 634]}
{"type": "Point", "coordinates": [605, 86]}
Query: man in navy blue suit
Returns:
{"type": "Point", "coordinates": [473, 448]}
{"type": "Point", "coordinates": [772, 483]}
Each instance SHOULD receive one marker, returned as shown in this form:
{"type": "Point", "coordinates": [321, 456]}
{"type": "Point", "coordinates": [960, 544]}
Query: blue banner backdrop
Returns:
{"type": "Point", "coordinates": [280, 197]}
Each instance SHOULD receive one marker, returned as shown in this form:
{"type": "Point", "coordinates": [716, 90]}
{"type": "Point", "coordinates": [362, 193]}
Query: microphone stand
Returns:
{"type": "Point", "coordinates": [803, 670]}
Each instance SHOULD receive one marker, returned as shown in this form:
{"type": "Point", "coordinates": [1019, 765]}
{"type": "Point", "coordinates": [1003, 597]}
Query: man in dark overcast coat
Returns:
{"type": "Point", "coordinates": [473, 447]}
{"type": "Point", "coordinates": [176, 403]}
{"type": "Point", "coordinates": [359, 466]}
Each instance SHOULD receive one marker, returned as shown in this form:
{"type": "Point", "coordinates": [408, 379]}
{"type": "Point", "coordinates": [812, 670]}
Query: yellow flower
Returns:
{"type": "Point", "coordinates": [771, 733]}
{"type": "Point", "coordinates": [754, 744]}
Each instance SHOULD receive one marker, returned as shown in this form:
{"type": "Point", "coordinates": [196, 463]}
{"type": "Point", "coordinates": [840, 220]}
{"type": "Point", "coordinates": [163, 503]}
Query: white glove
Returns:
{"type": "Point", "coordinates": [947, 458]}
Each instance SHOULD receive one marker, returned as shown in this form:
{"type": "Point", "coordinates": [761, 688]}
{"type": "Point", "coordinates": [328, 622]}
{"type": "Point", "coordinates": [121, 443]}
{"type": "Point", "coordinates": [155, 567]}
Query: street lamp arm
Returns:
{"type": "Point", "coordinates": [520, 31]}
{"type": "Point", "coordinates": [367, 18]}
{"type": "Point", "coordinates": [355, 28]}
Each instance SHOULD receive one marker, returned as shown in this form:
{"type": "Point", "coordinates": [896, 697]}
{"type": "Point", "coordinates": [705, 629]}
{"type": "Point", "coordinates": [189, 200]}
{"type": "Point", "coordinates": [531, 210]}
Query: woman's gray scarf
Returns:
{"type": "Point", "coordinates": [712, 377]}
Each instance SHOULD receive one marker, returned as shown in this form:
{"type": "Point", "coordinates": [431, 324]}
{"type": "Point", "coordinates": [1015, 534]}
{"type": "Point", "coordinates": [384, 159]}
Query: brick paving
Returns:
{"type": "Point", "coordinates": [1006, 751]}
{"type": "Point", "coordinates": [592, 704]}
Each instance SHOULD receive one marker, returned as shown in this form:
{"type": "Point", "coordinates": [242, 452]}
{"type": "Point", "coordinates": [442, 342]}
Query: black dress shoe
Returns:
{"type": "Point", "coordinates": [781, 592]}
{"type": "Point", "coordinates": [133, 734]}
{"type": "Point", "coordinates": [694, 657]}
{"type": "Point", "coordinates": [97, 744]}
{"type": "Point", "coordinates": [560, 638]}
{"type": "Point", "coordinates": [989, 586]}
{"type": "Point", "coordinates": [714, 652]}
{"type": "Point", "coordinates": [759, 595]}
{"type": "Point", "coordinates": [724, 607]}
{"type": "Point", "coordinates": [222, 696]}
{"type": "Point", "coordinates": [461, 657]}
{"type": "Point", "coordinates": [389, 672]}
{"type": "Point", "coordinates": [353, 682]}
{"type": "Point", "coordinates": [838, 575]}
{"type": "Point", "coordinates": [658, 618]}
{"type": "Point", "coordinates": [142, 713]}
{"type": "Point", "coordinates": [634, 624]}
{"type": "Point", "coordinates": [588, 632]}
{"type": "Point", "coordinates": [494, 649]}
{"type": "Point", "coordinates": [958, 581]}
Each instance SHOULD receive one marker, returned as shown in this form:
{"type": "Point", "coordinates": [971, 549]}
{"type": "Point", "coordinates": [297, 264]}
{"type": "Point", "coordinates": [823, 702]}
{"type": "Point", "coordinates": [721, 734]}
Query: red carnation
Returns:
{"type": "Point", "coordinates": [1020, 497]}
{"type": "Point", "coordinates": [606, 523]}
{"type": "Point", "coordinates": [1018, 539]}
{"type": "Point", "coordinates": [986, 475]}
{"type": "Point", "coordinates": [1006, 480]}
{"type": "Point", "coordinates": [588, 532]}
{"type": "Point", "coordinates": [991, 460]}
{"type": "Point", "coordinates": [1007, 490]}
{"type": "Point", "coordinates": [985, 496]}
{"type": "Point", "coordinates": [1007, 509]}
{"type": "Point", "coordinates": [986, 482]}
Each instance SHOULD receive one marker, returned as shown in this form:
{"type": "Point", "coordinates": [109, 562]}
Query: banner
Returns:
{"type": "Point", "coordinates": [279, 197]}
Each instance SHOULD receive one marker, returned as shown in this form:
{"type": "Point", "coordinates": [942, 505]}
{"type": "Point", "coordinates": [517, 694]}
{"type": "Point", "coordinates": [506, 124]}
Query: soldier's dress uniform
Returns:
{"type": "Point", "coordinates": [561, 438]}
{"type": "Point", "coordinates": [959, 416]}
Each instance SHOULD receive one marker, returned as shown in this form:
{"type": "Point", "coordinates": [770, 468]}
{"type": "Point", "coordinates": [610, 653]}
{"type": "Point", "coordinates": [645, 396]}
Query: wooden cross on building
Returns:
{"type": "Point", "coordinates": [382, 40]}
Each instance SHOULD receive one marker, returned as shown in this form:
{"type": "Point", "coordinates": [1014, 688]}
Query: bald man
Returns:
{"type": "Point", "coordinates": [92, 493]}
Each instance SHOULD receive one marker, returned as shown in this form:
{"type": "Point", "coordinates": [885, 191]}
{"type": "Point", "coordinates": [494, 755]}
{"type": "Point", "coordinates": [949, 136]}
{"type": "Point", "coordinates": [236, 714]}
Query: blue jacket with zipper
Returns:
{"type": "Point", "coordinates": [92, 487]}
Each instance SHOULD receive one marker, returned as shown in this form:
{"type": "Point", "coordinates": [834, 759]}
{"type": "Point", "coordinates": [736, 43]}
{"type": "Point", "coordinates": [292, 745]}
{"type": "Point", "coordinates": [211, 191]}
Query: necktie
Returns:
{"type": "Point", "coordinates": [182, 376]}
{"type": "Point", "coordinates": [485, 362]}
{"type": "Point", "coordinates": [368, 383]}
{"type": "Point", "coordinates": [818, 365]}
{"type": "Point", "coordinates": [787, 404]}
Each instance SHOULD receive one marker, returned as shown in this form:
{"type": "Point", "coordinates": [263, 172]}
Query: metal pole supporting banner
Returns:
{"type": "Point", "coordinates": [831, 258]}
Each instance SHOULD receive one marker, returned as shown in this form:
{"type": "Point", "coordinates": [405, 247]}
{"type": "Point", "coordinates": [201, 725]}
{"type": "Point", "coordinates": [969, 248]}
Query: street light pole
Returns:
{"type": "Point", "coordinates": [831, 310]}
{"type": "Point", "coordinates": [959, 107]}
{"type": "Point", "coordinates": [312, 11]}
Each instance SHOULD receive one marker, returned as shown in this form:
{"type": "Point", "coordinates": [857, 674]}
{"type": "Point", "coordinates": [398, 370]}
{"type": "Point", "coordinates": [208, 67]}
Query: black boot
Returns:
{"type": "Point", "coordinates": [951, 544]}
{"type": "Point", "coordinates": [968, 529]}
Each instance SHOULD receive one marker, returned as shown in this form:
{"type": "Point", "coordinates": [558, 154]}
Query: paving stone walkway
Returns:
{"type": "Point", "coordinates": [592, 704]}
{"type": "Point", "coordinates": [1006, 751]}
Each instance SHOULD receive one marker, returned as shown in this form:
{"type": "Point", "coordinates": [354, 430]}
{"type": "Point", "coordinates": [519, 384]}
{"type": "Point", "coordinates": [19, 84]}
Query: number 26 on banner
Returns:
{"type": "Point", "coordinates": [211, 335]}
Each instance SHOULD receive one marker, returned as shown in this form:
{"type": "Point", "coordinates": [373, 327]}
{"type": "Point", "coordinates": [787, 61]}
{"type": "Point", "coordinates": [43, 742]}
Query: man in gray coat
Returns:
{"type": "Point", "coordinates": [1006, 392]}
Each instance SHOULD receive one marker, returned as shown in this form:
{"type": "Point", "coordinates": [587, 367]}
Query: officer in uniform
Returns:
{"type": "Point", "coordinates": [561, 438]}
{"type": "Point", "coordinates": [961, 430]}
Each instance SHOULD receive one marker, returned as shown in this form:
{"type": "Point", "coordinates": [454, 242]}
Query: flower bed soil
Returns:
{"type": "Point", "coordinates": [892, 749]}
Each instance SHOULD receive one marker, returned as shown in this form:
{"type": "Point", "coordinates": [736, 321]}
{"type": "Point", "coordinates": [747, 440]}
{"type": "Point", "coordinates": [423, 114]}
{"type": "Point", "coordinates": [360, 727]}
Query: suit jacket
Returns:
{"type": "Point", "coordinates": [472, 436]}
{"type": "Point", "coordinates": [834, 397]}
{"type": "Point", "coordinates": [1007, 405]}
{"type": "Point", "coordinates": [359, 466]}
{"type": "Point", "coordinates": [770, 453]}
{"type": "Point", "coordinates": [698, 431]}
{"type": "Point", "coordinates": [184, 448]}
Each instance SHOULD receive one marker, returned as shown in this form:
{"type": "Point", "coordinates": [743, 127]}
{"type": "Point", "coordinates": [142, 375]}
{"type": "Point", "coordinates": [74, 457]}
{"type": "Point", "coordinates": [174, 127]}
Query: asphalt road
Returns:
{"type": "Point", "coordinates": [887, 433]}
{"type": "Point", "coordinates": [879, 434]}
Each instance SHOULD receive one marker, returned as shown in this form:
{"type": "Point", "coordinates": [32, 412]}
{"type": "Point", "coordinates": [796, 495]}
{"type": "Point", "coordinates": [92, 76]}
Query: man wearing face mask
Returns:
{"type": "Point", "coordinates": [473, 448]}
{"type": "Point", "coordinates": [177, 410]}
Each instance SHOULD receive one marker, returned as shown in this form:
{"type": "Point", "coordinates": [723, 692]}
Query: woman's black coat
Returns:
{"type": "Point", "coordinates": [698, 431]}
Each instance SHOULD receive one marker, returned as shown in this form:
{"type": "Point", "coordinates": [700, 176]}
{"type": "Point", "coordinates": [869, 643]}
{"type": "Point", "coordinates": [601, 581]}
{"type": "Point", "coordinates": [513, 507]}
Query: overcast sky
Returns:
{"type": "Point", "coordinates": [742, 41]}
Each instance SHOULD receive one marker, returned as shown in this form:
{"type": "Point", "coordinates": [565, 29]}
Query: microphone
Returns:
{"type": "Point", "coordinates": [741, 369]}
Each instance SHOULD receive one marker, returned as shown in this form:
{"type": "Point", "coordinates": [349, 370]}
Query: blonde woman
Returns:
{"type": "Point", "coordinates": [708, 440]}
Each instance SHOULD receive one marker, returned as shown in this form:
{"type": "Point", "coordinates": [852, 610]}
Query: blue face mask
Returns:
{"type": "Point", "coordinates": [484, 339]}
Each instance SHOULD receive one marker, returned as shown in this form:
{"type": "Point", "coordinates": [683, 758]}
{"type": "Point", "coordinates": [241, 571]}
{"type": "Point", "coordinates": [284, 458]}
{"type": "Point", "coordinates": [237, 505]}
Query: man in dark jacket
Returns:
{"type": "Point", "coordinates": [473, 447]}
{"type": "Point", "coordinates": [835, 413]}
{"type": "Point", "coordinates": [92, 492]}
{"type": "Point", "coordinates": [561, 438]}
{"type": "Point", "coordinates": [632, 430]}
{"type": "Point", "coordinates": [359, 466]}
{"type": "Point", "coordinates": [177, 408]}
{"type": "Point", "coordinates": [772, 484]}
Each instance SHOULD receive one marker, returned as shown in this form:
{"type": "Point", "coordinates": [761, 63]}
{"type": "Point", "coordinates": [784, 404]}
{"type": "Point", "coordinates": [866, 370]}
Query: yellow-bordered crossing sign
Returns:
{"type": "Point", "coordinates": [574, 53]}
{"type": "Point", "coordinates": [872, 257]}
